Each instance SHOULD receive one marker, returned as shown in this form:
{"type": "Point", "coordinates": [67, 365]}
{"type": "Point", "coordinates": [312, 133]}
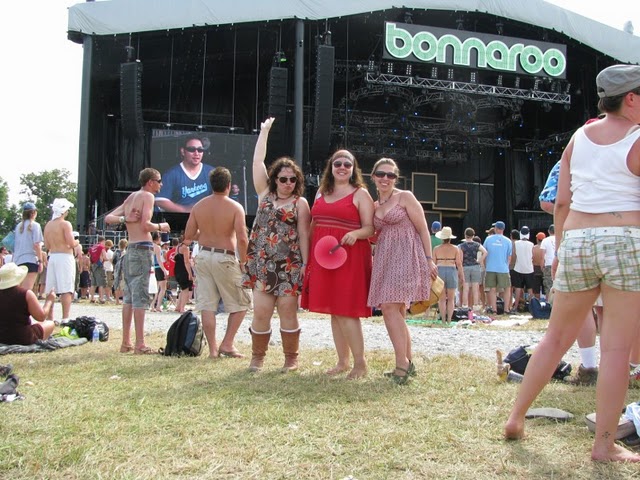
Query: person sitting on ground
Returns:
{"type": "Point", "coordinates": [20, 306]}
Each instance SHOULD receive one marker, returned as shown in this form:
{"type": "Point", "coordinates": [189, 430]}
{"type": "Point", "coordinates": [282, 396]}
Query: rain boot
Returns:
{"type": "Point", "coordinates": [290, 346]}
{"type": "Point", "coordinates": [259, 346]}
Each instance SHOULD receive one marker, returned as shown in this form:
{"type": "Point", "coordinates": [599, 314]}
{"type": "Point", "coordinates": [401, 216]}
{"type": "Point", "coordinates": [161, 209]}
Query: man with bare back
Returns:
{"type": "Point", "coordinates": [218, 223]}
{"type": "Point", "coordinates": [136, 213]}
{"type": "Point", "coordinates": [60, 244]}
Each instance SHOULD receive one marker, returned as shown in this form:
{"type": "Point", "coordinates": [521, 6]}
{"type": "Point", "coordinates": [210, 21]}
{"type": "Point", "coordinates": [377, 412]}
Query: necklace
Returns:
{"type": "Point", "coordinates": [382, 202]}
{"type": "Point", "coordinates": [283, 198]}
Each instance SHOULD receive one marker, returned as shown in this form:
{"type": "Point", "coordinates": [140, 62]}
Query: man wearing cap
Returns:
{"type": "Point", "coordinates": [523, 269]}
{"type": "Point", "coordinates": [499, 250]}
{"type": "Point", "coordinates": [435, 228]}
{"type": "Point", "coordinates": [59, 242]}
{"type": "Point", "coordinates": [186, 183]}
{"type": "Point", "coordinates": [136, 213]}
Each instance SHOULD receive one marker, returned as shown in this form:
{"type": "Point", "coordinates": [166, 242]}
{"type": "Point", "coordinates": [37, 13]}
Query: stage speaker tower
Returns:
{"type": "Point", "coordinates": [131, 99]}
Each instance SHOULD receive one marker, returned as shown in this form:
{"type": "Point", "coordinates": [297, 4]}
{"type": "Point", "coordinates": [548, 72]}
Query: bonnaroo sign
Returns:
{"type": "Point", "coordinates": [470, 49]}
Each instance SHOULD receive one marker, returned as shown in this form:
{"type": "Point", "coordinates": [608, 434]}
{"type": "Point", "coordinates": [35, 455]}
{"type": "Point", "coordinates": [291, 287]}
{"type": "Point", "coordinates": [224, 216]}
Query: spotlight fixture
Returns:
{"type": "Point", "coordinates": [499, 80]}
{"type": "Point", "coordinates": [434, 72]}
{"type": "Point", "coordinates": [450, 74]}
{"type": "Point", "coordinates": [371, 66]}
{"type": "Point", "coordinates": [474, 77]}
{"type": "Point", "coordinates": [390, 67]}
{"type": "Point", "coordinates": [517, 82]}
{"type": "Point", "coordinates": [536, 84]}
{"type": "Point", "coordinates": [409, 69]}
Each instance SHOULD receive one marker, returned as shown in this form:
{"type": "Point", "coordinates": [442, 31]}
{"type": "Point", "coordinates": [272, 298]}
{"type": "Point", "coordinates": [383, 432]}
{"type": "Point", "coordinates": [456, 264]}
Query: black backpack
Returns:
{"type": "Point", "coordinates": [185, 336]}
{"type": "Point", "coordinates": [519, 357]}
{"type": "Point", "coordinates": [84, 327]}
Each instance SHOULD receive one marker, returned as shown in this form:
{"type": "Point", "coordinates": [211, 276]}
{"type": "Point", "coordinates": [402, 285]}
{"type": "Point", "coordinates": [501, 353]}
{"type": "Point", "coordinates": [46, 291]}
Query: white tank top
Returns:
{"type": "Point", "coordinates": [600, 179]}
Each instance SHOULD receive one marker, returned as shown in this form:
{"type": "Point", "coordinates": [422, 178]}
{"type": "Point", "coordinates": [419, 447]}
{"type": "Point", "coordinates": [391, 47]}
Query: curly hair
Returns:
{"type": "Point", "coordinates": [275, 169]}
{"type": "Point", "coordinates": [327, 181]}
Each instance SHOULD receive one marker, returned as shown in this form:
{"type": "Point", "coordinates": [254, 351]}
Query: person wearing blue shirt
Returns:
{"type": "Point", "coordinates": [499, 250]}
{"type": "Point", "coordinates": [186, 183]}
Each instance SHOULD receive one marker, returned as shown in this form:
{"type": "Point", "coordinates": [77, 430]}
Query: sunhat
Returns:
{"type": "Point", "coordinates": [329, 253]}
{"type": "Point", "coordinates": [445, 234]}
{"type": "Point", "coordinates": [12, 275]}
{"type": "Point", "coordinates": [437, 286]}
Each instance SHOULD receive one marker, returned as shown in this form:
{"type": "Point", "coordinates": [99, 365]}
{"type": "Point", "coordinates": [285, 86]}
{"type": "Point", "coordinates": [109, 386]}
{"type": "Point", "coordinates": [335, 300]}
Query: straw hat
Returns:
{"type": "Point", "coordinates": [437, 286]}
{"type": "Point", "coordinates": [445, 234]}
{"type": "Point", "coordinates": [12, 275]}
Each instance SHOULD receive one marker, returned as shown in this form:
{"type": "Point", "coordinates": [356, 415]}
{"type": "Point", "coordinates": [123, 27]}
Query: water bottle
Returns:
{"type": "Point", "coordinates": [470, 314]}
{"type": "Point", "coordinates": [514, 377]}
{"type": "Point", "coordinates": [96, 334]}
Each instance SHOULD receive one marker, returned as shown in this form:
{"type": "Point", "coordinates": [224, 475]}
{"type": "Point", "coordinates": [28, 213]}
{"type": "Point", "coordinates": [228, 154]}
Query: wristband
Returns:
{"type": "Point", "coordinates": [429, 258]}
{"type": "Point", "coordinates": [159, 227]}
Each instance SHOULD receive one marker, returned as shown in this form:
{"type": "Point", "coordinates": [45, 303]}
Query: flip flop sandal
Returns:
{"type": "Point", "coordinates": [625, 426]}
{"type": "Point", "coordinates": [144, 351]}
{"type": "Point", "coordinates": [225, 354]}
{"type": "Point", "coordinates": [126, 348]}
{"type": "Point", "coordinates": [550, 413]}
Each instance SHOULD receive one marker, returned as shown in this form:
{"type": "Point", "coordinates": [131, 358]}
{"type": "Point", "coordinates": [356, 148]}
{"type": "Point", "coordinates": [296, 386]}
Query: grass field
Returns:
{"type": "Point", "coordinates": [93, 413]}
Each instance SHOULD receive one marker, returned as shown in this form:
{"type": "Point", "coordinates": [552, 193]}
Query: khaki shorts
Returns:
{"type": "Point", "coordinates": [591, 256]}
{"type": "Point", "coordinates": [497, 280]}
{"type": "Point", "coordinates": [218, 276]}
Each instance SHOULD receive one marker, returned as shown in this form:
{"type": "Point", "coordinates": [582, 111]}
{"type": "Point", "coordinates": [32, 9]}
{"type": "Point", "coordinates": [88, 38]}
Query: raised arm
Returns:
{"type": "Point", "coordinates": [260, 177]}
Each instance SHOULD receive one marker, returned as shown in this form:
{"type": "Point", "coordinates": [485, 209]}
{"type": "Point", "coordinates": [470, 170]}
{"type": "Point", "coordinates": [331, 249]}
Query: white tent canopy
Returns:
{"type": "Point", "coordinates": [111, 17]}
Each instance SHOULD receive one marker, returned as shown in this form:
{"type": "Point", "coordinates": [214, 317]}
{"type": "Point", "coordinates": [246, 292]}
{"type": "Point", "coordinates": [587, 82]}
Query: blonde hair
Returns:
{"type": "Point", "coordinates": [27, 215]}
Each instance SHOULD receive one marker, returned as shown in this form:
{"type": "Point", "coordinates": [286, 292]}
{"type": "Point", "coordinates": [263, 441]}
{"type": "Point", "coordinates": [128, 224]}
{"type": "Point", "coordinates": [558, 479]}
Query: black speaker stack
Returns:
{"type": "Point", "coordinates": [131, 99]}
{"type": "Point", "coordinates": [321, 139]}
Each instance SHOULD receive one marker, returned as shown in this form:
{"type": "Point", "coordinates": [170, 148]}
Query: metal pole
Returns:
{"type": "Point", "coordinates": [298, 98]}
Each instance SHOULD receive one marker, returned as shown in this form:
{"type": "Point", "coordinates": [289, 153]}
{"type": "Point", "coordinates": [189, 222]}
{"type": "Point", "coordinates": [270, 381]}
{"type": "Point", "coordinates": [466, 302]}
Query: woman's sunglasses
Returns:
{"type": "Point", "coordinates": [338, 164]}
{"type": "Point", "coordinates": [381, 174]}
{"type": "Point", "coordinates": [287, 179]}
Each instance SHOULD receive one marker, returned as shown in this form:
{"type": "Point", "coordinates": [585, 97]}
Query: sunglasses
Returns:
{"type": "Point", "coordinates": [381, 174]}
{"type": "Point", "coordinates": [194, 149]}
{"type": "Point", "coordinates": [159, 180]}
{"type": "Point", "coordinates": [339, 164]}
{"type": "Point", "coordinates": [287, 179]}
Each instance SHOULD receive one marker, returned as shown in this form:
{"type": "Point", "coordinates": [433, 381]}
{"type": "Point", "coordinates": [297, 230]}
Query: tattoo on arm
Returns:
{"type": "Point", "coordinates": [606, 435]}
{"type": "Point", "coordinates": [616, 214]}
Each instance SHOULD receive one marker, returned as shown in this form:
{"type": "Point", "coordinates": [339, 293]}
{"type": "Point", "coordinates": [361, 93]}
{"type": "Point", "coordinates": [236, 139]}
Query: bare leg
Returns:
{"type": "Point", "coordinates": [442, 307]}
{"type": "Point", "coordinates": [587, 334]}
{"type": "Point", "coordinates": [342, 348]}
{"type": "Point", "coordinates": [451, 303]}
{"type": "Point", "coordinates": [127, 317]}
{"type": "Point", "coordinates": [65, 301]}
{"type": "Point", "coordinates": [567, 317]}
{"type": "Point", "coordinates": [29, 280]}
{"type": "Point", "coordinates": [263, 306]}
{"type": "Point", "coordinates": [138, 319]}
{"type": "Point", "coordinates": [209, 327]}
{"type": "Point", "coordinates": [492, 300]}
{"type": "Point", "coordinates": [352, 333]}
{"type": "Point", "coordinates": [47, 327]}
{"type": "Point", "coordinates": [398, 332]}
{"type": "Point", "coordinates": [465, 295]}
{"type": "Point", "coordinates": [288, 313]}
{"type": "Point", "coordinates": [516, 302]}
{"type": "Point", "coordinates": [617, 333]}
{"type": "Point", "coordinates": [233, 325]}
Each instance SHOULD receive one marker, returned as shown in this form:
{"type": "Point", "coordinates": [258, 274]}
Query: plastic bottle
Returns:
{"type": "Point", "coordinates": [96, 334]}
{"type": "Point", "coordinates": [470, 314]}
{"type": "Point", "coordinates": [514, 377]}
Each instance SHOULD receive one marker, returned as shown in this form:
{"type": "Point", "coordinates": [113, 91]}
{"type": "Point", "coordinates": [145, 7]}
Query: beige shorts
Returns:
{"type": "Point", "coordinates": [218, 276]}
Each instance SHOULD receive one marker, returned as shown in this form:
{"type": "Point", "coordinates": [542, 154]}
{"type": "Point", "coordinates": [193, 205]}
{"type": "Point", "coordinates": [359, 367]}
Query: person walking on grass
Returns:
{"type": "Point", "coordinates": [597, 219]}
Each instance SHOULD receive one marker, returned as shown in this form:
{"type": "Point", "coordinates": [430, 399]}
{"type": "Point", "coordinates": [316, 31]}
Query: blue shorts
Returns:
{"type": "Point", "coordinates": [450, 276]}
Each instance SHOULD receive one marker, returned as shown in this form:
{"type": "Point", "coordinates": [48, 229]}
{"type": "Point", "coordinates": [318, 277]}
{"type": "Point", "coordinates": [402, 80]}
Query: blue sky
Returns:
{"type": "Point", "coordinates": [40, 98]}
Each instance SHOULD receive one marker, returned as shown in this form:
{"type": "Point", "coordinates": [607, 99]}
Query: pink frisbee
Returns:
{"type": "Point", "coordinates": [329, 253]}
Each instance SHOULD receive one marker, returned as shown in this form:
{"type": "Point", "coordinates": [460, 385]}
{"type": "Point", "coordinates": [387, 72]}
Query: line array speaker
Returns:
{"type": "Point", "coordinates": [321, 140]}
{"type": "Point", "coordinates": [131, 99]}
{"type": "Point", "coordinates": [277, 107]}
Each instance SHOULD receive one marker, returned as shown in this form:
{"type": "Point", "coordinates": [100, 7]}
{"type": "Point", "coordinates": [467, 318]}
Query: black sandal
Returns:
{"type": "Point", "coordinates": [401, 379]}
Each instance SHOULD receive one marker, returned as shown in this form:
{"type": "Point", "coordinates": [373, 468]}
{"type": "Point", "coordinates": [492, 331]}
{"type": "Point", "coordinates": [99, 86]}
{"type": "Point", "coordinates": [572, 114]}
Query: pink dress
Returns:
{"type": "Point", "coordinates": [342, 291]}
{"type": "Point", "coordinates": [400, 270]}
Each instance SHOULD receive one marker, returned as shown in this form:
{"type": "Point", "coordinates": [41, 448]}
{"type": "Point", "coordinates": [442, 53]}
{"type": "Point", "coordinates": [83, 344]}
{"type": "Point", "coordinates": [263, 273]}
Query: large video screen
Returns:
{"type": "Point", "coordinates": [185, 159]}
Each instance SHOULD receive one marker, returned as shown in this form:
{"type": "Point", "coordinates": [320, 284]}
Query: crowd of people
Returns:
{"type": "Point", "coordinates": [349, 254]}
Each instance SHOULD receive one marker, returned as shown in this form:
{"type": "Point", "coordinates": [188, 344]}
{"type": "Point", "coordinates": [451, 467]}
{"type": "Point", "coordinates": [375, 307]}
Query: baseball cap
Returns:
{"type": "Point", "coordinates": [617, 79]}
{"type": "Point", "coordinates": [525, 230]}
{"type": "Point", "coordinates": [499, 225]}
{"type": "Point", "coordinates": [29, 206]}
{"type": "Point", "coordinates": [75, 234]}
{"type": "Point", "coordinates": [436, 225]}
{"type": "Point", "coordinates": [540, 236]}
{"type": "Point", "coordinates": [552, 228]}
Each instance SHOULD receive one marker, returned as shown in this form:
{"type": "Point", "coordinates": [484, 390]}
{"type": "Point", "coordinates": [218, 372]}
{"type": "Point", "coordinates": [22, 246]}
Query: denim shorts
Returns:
{"type": "Point", "coordinates": [472, 274]}
{"type": "Point", "coordinates": [449, 275]}
{"type": "Point", "coordinates": [136, 267]}
{"type": "Point", "coordinates": [591, 256]}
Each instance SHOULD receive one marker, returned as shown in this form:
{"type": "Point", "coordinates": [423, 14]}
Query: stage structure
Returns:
{"type": "Point", "coordinates": [474, 99]}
